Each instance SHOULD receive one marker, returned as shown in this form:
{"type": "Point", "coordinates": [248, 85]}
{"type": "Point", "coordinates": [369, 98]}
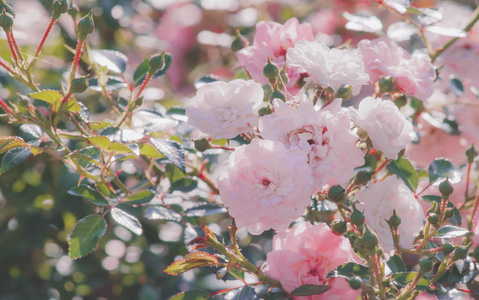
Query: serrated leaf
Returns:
{"type": "Point", "coordinates": [140, 197]}
{"type": "Point", "coordinates": [395, 264]}
{"type": "Point", "coordinates": [152, 122]}
{"type": "Point", "coordinates": [11, 144]}
{"type": "Point", "coordinates": [84, 237]}
{"type": "Point", "coordinates": [192, 295]}
{"type": "Point", "coordinates": [205, 210]}
{"type": "Point", "coordinates": [113, 83]}
{"type": "Point", "coordinates": [142, 70]}
{"type": "Point", "coordinates": [87, 157]}
{"type": "Point", "coordinates": [14, 157]}
{"type": "Point", "coordinates": [450, 232]}
{"type": "Point", "coordinates": [33, 130]}
{"type": "Point", "coordinates": [274, 296]}
{"type": "Point", "coordinates": [172, 150]}
{"type": "Point", "coordinates": [440, 168]}
{"type": "Point", "coordinates": [192, 260]}
{"type": "Point", "coordinates": [184, 185]}
{"type": "Point", "coordinates": [447, 31]}
{"type": "Point", "coordinates": [161, 213]}
{"type": "Point", "coordinates": [403, 278]}
{"type": "Point", "coordinates": [100, 125]}
{"type": "Point", "coordinates": [173, 173]}
{"type": "Point", "coordinates": [401, 31]}
{"type": "Point", "coordinates": [406, 171]}
{"type": "Point", "coordinates": [350, 270]}
{"type": "Point", "coordinates": [400, 6]}
{"type": "Point", "coordinates": [115, 61]}
{"type": "Point", "coordinates": [90, 194]}
{"type": "Point", "coordinates": [310, 289]}
{"type": "Point", "coordinates": [362, 22]}
{"type": "Point", "coordinates": [149, 151]}
{"type": "Point", "coordinates": [101, 142]}
{"type": "Point", "coordinates": [120, 148]}
{"type": "Point", "coordinates": [49, 96]}
{"type": "Point", "coordinates": [126, 220]}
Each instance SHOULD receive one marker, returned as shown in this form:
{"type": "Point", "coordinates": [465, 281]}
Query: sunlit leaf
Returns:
{"type": "Point", "coordinates": [161, 213]}
{"type": "Point", "coordinates": [126, 220]}
{"type": "Point", "coordinates": [14, 157]}
{"type": "Point", "coordinates": [115, 61]}
{"type": "Point", "coordinates": [406, 171]}
{"type": "Point", "coordinates": [90, 194]}
{"type": "Point", "coordinates": [192, 260]}
{"type": "Point", "coordinates": [450, 232]}
{"type": "Point", "coordinates": [140, 197]}
{"type": "Point", "coordinates": [84, 237]}
{"type": "Point", "coordinates": [172, 150]}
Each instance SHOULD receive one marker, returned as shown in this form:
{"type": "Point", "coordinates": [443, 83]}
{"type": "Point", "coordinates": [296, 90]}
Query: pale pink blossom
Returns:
{"type": "Point", "coordinates": [225, 109]}
{"type": "Point", "coordinates": [329, 67]}
{"type": "Point", "coordinates": [379, 200]}
{"type": "Point", "coordinates": [273, 40]}
{"type": "Point", "coordinates": [305, 254]}
{"type": "Point", "coordinates": [386, 126]}
{"type": "Point", "coordinates": [324, 136]}
{"type": "Point", "coordinates": [264, 185]}
{"type": "Point", "coordinates": [414, 74]}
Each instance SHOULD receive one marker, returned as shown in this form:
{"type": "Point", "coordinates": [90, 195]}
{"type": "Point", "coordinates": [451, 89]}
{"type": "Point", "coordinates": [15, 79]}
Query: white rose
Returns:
{"type": "Point", "coordinates": [225, 109]}
{"type": "Point", "coordinates": [386, 126]}
{"type": "Point", "coordinates": [329, 67]}
{"type": "Point", "coordinates": [378, 202]}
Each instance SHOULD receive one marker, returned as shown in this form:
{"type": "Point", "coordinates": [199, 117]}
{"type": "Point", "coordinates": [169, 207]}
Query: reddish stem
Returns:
{"type": "Point", "coordinates": [468, 180]}
{"type": "Point", "coordinates": [66, 98]}
{"type": "Point", "coordinates": [4, 65]}
{"type": "Point", "coordinates": [143, 86]}
{"type": "Point", "coordinates": [76, 60]}
{"type": "Point", "coordinates": [45, 35]}
{"type": "Point", "coordinates": [16, 45]}
{"type": "Point", "coordinates": [5, 106]}
{"type": "Point", "coordinates": [10, 45]}
{"type": "Point", "coordinates": [382, 166]}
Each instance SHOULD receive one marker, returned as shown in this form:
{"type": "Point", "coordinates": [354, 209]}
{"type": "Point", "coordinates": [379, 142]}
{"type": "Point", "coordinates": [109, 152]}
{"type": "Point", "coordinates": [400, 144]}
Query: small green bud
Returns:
{"type": "Point", "coordinates": [59, 7]}
{"type": "Point", "coordinates": [471, 154]}
{"type": "Point", "coordinates": [6, 21]}
{"type": "Point", "coordinates": [447, 248]}
{"type": "Point", "coordinates": [79, 85]}
{"type": "Point", "coordinates": [270, 70]}
{"type": "Point", "coordinates": [202, 145]}
{"type": "Point", "coordinates": [449, 213]}
{"type": "Point", "coordinates": [460, 252]}
{"type": "Point", "coordinates": [85, 26]}
{"type": "Point", "coordinates": [355, 282]}
{"type": "Point", "coordinates": [362, 177]}
{"type": "Point", "coordinates": [345, 92]}
{"type": "Point", "coordinates": [337, 193]}
{"type": "Point", "coordinates": [357, 218]}
{"type": "Point", "coordinates": [395, 220]}
{"type": "Point", "coordinates": [433, 218]}
{"type": "Point", "coordinates": [284, 75]}
{"type": "Point", "coordinates": [73, 10]}
{"type": "Point", "coordinates": [446, 188]}
{"type": "Point", "coordinates": [265, 110]}
{"type": "Point", "coordinates": [475, 254]}
{"type": "Point", "coordinates": [277, 94]}
{"type": "Point", "coordinates": [400, 101]}
{"type": "Point", "coordinates": [426, 264]}
{"type": "Point", "coordinates": [239, 42]}
{"type": "Point", "coordinates": [7, 8]}
{"type": "Point", "coordinates": [370, 240]}
{"type": "Point", "coordinates": [339, 227]}
{"type": "Point", "coordinates": [157, 62]}
{"type": "Point", "coordinates": [386, 84]}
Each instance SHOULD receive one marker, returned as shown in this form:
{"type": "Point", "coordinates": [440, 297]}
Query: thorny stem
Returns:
{"type": "Point", "coordinates": [76, 59]}
{"type": "Point", "coordinates": [6, 67]}
{"type": "Point", "coordinates": [10, 45]}
{"type": "Point", "coordinates": [14, 41]}
{"type": "Point", "coordinates": [42, 42]}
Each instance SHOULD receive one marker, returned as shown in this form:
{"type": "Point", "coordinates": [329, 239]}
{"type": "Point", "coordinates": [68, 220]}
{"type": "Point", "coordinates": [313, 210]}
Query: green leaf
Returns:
{"type": "Point", "coordinates": [173, 173]}
{"type": "Point", "coordinates": [87, 157]}
{"type": "Point", "coordinates": [84, 237]}
{"type": "Point", "coordinates": [204, 80]}
{"type": "Point", "coordinates": [101, 142]}
{"type": "Point", "coordinates": [274, 296]}
{"type": "Point", "coordinates": [33, 130]}
{"type": "Point", "coordinates": [149, 151]}
{"type": "Point", "coordinates": [128, 221]}
{"type": "Point", "coordinates": [90, 194]}
{"type": "Point", "coordinates": [120, 148]}
{"type": "Point", "coordinates": [405, 170]}
{"type": "Point", "coordinates": [140, 197]}
{"type": "Point", "coordinates": [14, 157]}
{"type": "Point", "coordinates": [403, 278]}
{"type": "Point", "coordinates": [440, 168]}
{"type": "Point", "coordinates": [450, 232]}
{"type": "Point", "coordinates": [192, 295]}
{"type": "Point", "coordinates": [310, 289]}
{"type": "Point", "coordinates": [10, 143]}
{"type": "Point", "coordinates": [142, 70]}
{"type": "Point", "coordinates": [192, 260]}
{"type": "Point", "coordinates": [457, 87]}
{"type": "Point", "coordinates": [395, 264]}
{"type": "Point", "coordinates": [238, 274]}
{"type": "Point", "coordinates": [113, 83]}
{"type": "Point", "coordinates": [184, 185]}
{"type": "Point", "coordinates": [48, 96]}
{"type": "Point", "coordinates": [350, 270]}
{"type": "Point", "coordinates": [205, 210]}
{"type": "Point", "coordinates": [161, 213]}
{"type": "Point", "coordinates": [456, 219]}
{"type": "Point", "coordinates": [115, 61]}
{"type": "Point", "coordinates": [172, 150]}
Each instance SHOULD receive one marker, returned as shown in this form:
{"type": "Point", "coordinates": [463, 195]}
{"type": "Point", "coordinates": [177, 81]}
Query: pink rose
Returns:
{"type": "Point", "coordinates": [329, 67]}
{"type": "Point", "coordinates": [386, 126]}
{"type": "Point", "coordinates": [379, 200]}
{"type": "Point", "coordinates": [272, 40]}
{"type": "Point", "coordinates": [414, 74]}
{"type": "Point", "coordinates": [305, 254]}
{"type": "Point", "coordinates": [225, 109]}
{"type": "Point", "coordinates": [324, 136]}
{"type": "Point", "coordinates": [265, 186]}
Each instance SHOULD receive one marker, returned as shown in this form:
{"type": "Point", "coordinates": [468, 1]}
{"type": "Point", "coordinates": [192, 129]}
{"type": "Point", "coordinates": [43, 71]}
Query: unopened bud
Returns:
{"type": "Point", "coordinates": [357, 218]}
{"type": "Point", "coordinates": [85, 26]}
{"type": "Point", "coordinates": [59, 7]}
{"type": "Point", "coordinates": [79, 85]}
{"type": "Point", "coordinates": [370, 240]}
{"type": "Point", "coordinates": [471, 154]}
{"type": "Point", "coordinates": [449, 213]}
{"type": "Point", "coordinates": [157, 62]}
{"type": "Point", "coordinates": [277, 94]}
{"type": "Point", "coordinates": [337, 193]}
{"type": "Point", "coordinates": [284, 75]}
{"type": "Point", "coordinates": [202, 145]}
{"type": "Point", "coordinates": [265, 110]}
{"type": "Point", "coordinates": [460, 252]}
{"type": "Point", "coordinates": [446, 188]}
{"type": "Point", "coordinates": [447, 248]}
{"type": "Point", "coordinates": [355, 282]}
{"type": "Point", "coordinates": [270, 70]}
{"type": "Point", "coordinates": [400, 101]}
{"type": "Point", "coordinates": [7, 8]}
{"type": "Point", "coordinates": [395, 220]}
{"type": "Point", "coordinates": [345, 92]}
{"type": "Point", "coordinates": [362, 177]}
{"type": "Point", "coordinates": [386, 84]}
{"type": "Point", "coordinates": [339, 227]}
{"type": "Point", "coordinates": [433, 218]}
{"type": "Point", "coordinates": [6, 21]}
{"type": "Point", "coordinates": [73, 10]}
{"type": "Point", "coordinates": [426, 264]}
{"type": "Point", "coordinates": [239, 42]}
